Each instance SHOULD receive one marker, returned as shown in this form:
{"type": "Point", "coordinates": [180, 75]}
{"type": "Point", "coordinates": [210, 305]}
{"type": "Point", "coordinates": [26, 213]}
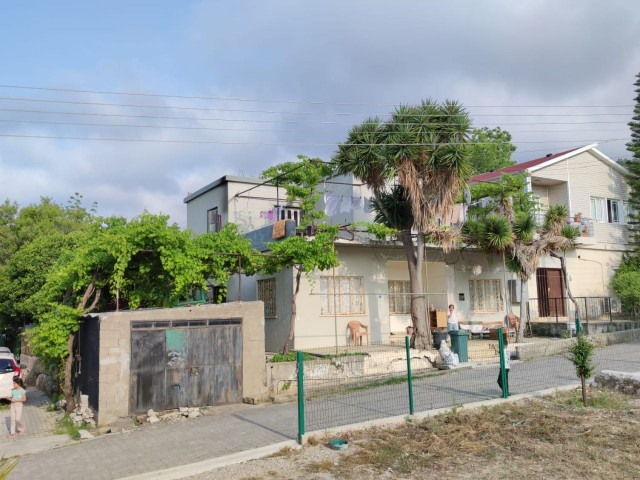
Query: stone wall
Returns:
{"type": "Point", "coordinates": [34, 373]}
{"type": "Point", "coordinates": [628, 383]}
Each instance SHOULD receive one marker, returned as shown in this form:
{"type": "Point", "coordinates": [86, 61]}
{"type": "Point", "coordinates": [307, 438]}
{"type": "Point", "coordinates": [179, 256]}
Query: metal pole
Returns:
{"type": "Point", "coordinates": [300, 365]}
{"type": "Point", "coordinates": [409, 378]}
{"type": "Point", "coordinates": [335, 309]}
{"type": "Point", "coordinates": [503, 370]}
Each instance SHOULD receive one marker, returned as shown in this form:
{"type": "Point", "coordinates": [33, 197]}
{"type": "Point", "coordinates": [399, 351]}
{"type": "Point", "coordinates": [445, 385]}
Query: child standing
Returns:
{"type": "Point", "coordinates": [18, 397]}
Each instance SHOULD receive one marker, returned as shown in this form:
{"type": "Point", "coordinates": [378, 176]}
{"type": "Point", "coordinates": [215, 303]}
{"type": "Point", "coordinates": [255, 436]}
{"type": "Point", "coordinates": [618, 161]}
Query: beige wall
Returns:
{"type": "Point", "coordinates": [115, 351]}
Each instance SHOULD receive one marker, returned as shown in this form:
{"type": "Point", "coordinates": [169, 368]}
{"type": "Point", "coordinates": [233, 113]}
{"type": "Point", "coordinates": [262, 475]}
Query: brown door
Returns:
{"type": "Point", "coordinates": [550, 292]}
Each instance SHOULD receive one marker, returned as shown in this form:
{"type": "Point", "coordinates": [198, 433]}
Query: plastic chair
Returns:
{"type": "Point", "coordinates": [358, 330]}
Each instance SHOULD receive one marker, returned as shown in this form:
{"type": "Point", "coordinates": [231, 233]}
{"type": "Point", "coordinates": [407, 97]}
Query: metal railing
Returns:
{"type": "Point", "coordinates": [589, 309]}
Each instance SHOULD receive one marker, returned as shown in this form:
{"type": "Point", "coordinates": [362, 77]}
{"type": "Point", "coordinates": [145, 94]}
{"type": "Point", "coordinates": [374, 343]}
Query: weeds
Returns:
{"type": "Point", "coordinates": [66, 425]}
{"type": "Point", "coordinates": [6, 466]}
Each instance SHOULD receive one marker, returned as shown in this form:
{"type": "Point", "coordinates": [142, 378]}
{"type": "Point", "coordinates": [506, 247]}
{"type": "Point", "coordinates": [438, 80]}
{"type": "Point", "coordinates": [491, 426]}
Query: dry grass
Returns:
{"type": "Point", "coordinates": [548, 438]}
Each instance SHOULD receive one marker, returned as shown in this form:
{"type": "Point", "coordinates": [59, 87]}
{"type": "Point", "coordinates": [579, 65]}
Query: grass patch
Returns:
{"type": "Point", "coordinates": [66, 425]}
{"type": "Point", "coordinates": [553, 437]}
{"type": "Point", "coordinates": [597, 399]}
{"type": "Point", "coordinates": [290, 357]}
{"type": "Point", "coordinates": [6, 466]}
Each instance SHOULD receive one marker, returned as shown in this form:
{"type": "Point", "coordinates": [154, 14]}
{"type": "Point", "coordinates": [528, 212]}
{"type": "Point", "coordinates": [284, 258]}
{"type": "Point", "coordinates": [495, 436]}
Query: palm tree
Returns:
{"type": "Point", "coordinates": [417, 162]}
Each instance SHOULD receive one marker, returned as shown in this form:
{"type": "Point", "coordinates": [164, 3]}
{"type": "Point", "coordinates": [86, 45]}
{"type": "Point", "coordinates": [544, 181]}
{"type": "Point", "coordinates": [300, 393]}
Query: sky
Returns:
{"type": "Point", "coordinates": [136, 104]}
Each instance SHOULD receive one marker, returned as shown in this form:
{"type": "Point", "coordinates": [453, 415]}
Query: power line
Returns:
{"type": "Point", "coordinates": [309, 102]}
{"type": "Point", "coordinates": [279, 112]}
{"type": "Point", "coordinates": [300, 144]}
{"type": "Point", "coordinates": [245, 120]}
{"type": "Point", "coordinates": [173, 127]}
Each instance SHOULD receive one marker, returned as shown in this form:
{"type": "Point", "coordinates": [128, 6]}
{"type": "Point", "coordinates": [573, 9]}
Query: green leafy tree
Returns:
{"type": "Point", "coordinates": [144, 262]}
{"type": "Point", "coordinates": [491, 149]}
{"type": "Point", "coordinates": [626, 284]}
{"type": "Point", "coordinates": [305, 254]}
{"type": "Point", "coordinates": [581, 355]}
{"type": "Point", "coordinates": [417, 162]}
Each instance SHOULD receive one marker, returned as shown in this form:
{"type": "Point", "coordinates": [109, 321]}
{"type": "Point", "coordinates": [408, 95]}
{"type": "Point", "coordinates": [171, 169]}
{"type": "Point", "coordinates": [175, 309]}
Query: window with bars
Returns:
{"type": "Point", "coordinates": [399, 296]}
{"type": "Point", "coordinates": [213, 220]}
{"type": "Point", "coordinates": [267, 294]}
{"type": "Point", "coordinates": [486, 295]}
{"type": "Point", "coordinates": [346, 293]}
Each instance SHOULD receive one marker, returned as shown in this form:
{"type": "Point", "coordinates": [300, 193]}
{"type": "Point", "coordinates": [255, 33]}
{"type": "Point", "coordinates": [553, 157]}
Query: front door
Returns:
{"type": "Point", "coordinates": [550, 292]}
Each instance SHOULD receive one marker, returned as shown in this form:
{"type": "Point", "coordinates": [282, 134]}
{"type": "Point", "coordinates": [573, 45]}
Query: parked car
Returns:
{"type": "Point", "coordinates": [5, 350]}
{"type": "Point", "coordinates": [8, 369]}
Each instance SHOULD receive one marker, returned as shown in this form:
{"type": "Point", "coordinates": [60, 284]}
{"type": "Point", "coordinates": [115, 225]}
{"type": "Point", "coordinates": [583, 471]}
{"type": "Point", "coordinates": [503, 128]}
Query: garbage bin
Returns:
{"type": "Point", "coordinates": [439, 336]}
{"type": "Point", "coordinates": [459, 345]}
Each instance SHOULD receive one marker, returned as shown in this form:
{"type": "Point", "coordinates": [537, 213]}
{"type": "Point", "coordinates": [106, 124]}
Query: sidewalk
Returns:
{"type": "Point", "coordinates": [238, 430]}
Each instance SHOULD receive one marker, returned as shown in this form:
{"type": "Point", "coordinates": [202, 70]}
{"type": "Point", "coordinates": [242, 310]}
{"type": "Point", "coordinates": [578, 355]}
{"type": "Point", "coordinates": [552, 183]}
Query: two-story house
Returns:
{"type": "Point", "coordinates": [371, 284]}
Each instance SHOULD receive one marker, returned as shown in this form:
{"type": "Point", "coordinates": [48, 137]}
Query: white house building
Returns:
{"type": "Point", "coordinates": [371, 284]}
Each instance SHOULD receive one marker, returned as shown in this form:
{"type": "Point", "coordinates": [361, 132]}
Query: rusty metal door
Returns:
{"type": "Point", "coordinates": [187, 366]}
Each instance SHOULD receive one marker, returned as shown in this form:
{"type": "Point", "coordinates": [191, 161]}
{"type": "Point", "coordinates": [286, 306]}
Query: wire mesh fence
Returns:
{"type": "Point", "coordinates": [362, 383]}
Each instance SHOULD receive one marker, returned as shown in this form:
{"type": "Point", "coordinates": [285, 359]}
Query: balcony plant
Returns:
{"type": "Point", "coordinates": [577, 217]}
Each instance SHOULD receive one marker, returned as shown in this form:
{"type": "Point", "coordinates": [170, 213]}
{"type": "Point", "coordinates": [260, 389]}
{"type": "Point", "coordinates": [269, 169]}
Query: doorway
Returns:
{"type": "Point", "coordinates": [551, 299]}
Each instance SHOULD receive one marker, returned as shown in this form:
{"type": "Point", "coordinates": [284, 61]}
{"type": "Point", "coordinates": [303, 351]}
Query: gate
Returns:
{"type": "Point", "coordinates": [185, 363]}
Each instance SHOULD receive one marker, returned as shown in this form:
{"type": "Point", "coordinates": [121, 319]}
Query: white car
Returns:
{"type": "Point", "coordinates": [8, 369]}
{"type": "Point", "coordinates": [5, 350]}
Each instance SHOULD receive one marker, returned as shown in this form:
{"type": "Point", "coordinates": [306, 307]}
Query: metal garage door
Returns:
{"type": "Point", "coordinates": [185, 363]}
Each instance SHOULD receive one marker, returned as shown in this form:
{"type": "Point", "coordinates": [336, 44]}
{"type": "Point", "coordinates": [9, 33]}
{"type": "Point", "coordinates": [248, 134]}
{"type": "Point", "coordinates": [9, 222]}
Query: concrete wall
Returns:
{"type": "Point", "coordinates": [115, 351]}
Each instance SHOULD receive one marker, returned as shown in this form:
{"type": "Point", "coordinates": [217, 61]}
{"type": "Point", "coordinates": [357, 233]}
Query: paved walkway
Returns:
{"type": "Point", "coordinates": [238, 428]}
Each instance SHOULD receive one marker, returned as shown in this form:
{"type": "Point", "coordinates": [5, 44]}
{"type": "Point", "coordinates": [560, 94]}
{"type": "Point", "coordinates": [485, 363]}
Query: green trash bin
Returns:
{"type": "Point", "coordinates": [459, 344]}
{"type": "Point", "coordinates": [439, 336]}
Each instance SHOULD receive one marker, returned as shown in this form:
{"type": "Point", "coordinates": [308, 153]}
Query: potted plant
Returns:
{"type": "Point", "coordinates": [577, 217]}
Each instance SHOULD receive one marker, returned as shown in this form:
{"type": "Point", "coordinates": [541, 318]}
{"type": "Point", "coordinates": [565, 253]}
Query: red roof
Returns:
{"type": "Point", "coordinates": [517, 168]}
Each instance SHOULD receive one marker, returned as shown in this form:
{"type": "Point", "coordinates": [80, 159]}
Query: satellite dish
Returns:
{"type": "Point", "coordinates": [467, 196]}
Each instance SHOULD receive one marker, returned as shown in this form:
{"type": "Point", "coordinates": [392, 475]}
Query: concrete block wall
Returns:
{"type": "Point", "coordinates": [115, 351]}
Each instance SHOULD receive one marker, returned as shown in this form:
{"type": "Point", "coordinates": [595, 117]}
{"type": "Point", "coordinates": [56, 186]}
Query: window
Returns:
{"type": "Point", "coordinates": [598, 212]}
{"type": "Point", "coordinates": [267, 294]}
{"type": "Point", "coordinates": [614, 210]}
{"type": "Point", "coordinates": [486, 295]}
{"type": "Point", "coordinates": [608, 210]}
{"type": "Point", "coordinates": [348, 297]}
{"type": "Point", "coordinates": [213, 220]}
{"type": "Point", "coordinates": [399, 296]}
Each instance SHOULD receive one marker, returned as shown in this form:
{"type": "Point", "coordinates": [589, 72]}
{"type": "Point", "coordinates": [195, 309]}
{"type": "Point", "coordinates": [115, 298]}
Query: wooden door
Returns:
{"type": "Point", "coordinates": [550, 287]}
{"type": "Point", "coordinates": [147, 385]}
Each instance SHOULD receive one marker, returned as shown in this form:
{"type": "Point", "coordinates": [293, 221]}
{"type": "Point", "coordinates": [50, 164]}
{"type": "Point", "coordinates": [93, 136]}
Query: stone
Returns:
{"type": "Point", "coordinates": [84, 434]}
{"type": "Point", "coordinates": [624, 382]}
{"type": "Point", "coordinates": [194, 414]}
{"type": "Point", "coordinates": [184, 410]}
{"type": "Point", "coordinates": [153, 419]}
{"type": "Point", "coordinates": [151, 413]}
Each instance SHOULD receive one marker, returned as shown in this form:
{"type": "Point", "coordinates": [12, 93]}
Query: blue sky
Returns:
{"type": "Point", "coordinates": [311, 69]}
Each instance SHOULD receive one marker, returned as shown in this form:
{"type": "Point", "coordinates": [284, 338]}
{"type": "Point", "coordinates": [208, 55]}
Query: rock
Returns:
{"type": "Point", "coordinates": [84, 434]}
{"type": "Point", "coordinates": [194, 414]}
{"type": "Point", "coordinates": [628, 383]}
{"type": "Point", "coordinates": [151, 413]}
{"type": "Point", "coordinates": [153, 419]}
{"type": "Point", "coordinates": [91, 422]}
{"type": "Point", "coordinates": [61, 404]}
{"type": "Point", "coordinates": [184, 410]}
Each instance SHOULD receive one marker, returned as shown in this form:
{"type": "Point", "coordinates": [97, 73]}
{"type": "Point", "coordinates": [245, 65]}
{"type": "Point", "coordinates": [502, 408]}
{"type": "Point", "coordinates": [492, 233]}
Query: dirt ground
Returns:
{"type": "Point", "coordinates": [554, 437]}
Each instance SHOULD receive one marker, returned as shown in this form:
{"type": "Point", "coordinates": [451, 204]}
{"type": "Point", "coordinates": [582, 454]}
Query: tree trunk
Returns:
{"type": "Point", "coordinates": [524, 288]}
{"type": "Point", "coordinates": [415, 262]}
{"type": "Point", "coordinates": [583, 381]}
{"type": "Point", "coordinates": [292, 319]}
{"type": "Point", "coordinates": [565, 278]}
{"type": "Point", "coordinates": [68, 370]}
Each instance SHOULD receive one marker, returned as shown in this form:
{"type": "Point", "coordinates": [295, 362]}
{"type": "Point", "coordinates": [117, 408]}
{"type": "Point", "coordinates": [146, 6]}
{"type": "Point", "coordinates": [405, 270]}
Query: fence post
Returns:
{"type": "Point", "coordinates": [503, 369]}
{"type": "Point", "coordinates": [409, 378]}
{"type": "Point", "coordinates": [300, 365]}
